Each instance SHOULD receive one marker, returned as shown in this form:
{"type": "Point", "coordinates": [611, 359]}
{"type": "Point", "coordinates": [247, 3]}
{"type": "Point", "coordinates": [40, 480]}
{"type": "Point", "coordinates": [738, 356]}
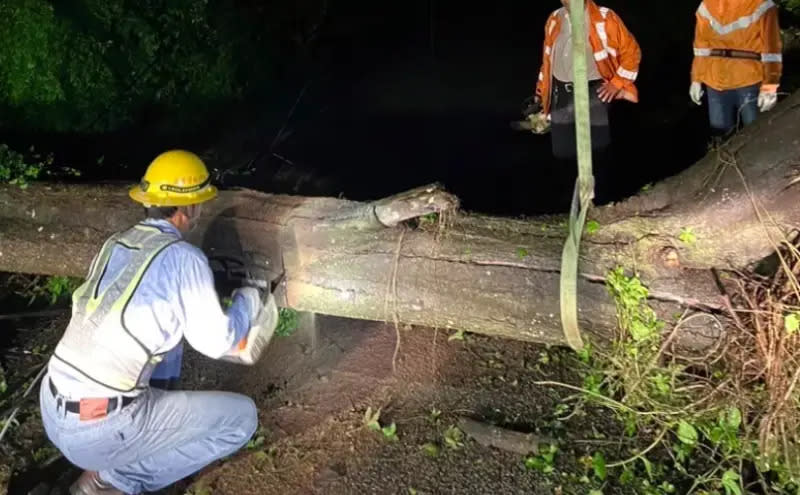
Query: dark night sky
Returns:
{"type": "Point", "coordinates": [388, 110]}
{"type": "Point", "coordinates": [398, 113]}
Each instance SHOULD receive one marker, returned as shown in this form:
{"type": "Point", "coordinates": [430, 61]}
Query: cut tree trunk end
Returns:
{"type": "Point", "coordinates": [477, 273]}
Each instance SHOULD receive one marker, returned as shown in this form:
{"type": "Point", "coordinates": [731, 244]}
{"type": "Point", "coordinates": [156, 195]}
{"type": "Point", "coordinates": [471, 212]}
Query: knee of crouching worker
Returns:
{"type": "Point", "coordinates": [249, 418]}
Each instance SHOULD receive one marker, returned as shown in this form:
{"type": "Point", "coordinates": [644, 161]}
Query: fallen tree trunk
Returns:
{"type": "Point", "coordinates": [482, 274]}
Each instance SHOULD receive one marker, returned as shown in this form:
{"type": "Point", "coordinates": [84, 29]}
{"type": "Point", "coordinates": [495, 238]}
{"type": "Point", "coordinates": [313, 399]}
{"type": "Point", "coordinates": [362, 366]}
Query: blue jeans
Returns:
{"type": "Point", "coordinates": [726, 109]}
{"type": "Point", "coordinates": [159, 438]}
{"type": "Point", "coordinates": [167, 373]}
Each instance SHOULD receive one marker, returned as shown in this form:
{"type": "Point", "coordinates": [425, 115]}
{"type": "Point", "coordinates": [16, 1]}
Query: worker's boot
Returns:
{"type": "Point", "coordinates": [90, 484]}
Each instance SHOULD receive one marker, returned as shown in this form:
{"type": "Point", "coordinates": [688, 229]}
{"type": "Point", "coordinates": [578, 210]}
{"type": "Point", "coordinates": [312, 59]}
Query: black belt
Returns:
{"type": "Point", "coordinates": [75, 406]}
{"type": "Point", "coordinates": [569, 87]}
{"type": "Point", "coordinates": [728, 53]}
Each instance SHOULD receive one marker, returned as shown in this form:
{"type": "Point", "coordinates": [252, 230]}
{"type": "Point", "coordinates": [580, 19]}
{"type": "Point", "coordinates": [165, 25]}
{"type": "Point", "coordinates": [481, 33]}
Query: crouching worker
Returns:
{"type": "Point", "coordinates": [146, 290]}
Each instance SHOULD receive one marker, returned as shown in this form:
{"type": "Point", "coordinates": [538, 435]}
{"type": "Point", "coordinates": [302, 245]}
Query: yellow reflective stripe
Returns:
{"type": "Point", "coordinates": [101, 257]}
{"type": "Point", "coordinates": [93, 301]}
{"type": "Point", "coordinates": [122, 300]}
{"type": "Point", "coordinates": [145, 227]}
{"type": "Point", "coordinates": [743, 22]}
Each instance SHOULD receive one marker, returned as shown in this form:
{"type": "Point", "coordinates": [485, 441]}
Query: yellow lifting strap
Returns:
{"type": "Point", "coordinates": [584, 185]}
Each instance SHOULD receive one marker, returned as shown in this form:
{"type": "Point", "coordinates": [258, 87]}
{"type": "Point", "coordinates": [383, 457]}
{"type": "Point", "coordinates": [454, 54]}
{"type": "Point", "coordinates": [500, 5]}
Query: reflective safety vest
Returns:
{"type": "Point", "coordinates": [616, 52]}
{"type": "Point", "coordinates": [97, 343]}
{"type": "Point", "coordinates": [737, 43]}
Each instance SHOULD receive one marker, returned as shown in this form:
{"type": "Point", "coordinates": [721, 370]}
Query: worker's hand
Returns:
{"type": "Point", "coordinates": [696, 92]}
{"type": "Point", "coordinates": [608, 92]}
{"type": "Point", "coordinates": [767, 98]}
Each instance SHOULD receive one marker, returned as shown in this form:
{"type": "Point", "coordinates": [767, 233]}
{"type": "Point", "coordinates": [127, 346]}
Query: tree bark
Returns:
{"type": "Point", "coordinates": [502, 438]}
{"type": "Point", "coordinates": [490, 275]}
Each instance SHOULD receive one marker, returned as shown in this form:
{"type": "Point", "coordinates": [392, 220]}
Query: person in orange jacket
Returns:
{"type": "Point", "coordinates": [613, 58]}
{"type": "Point", "coordinates": [737, 56]}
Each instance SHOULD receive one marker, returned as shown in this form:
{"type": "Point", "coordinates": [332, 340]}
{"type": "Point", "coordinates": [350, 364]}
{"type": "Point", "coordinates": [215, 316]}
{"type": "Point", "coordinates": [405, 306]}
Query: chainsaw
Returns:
{"type": "Point", "coordinates": [263, 328]}
{"type": "Point", "coordinates": [535, 120]}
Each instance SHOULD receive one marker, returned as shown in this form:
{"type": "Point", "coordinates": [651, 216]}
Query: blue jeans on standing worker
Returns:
{"type": "Point", "coordinates": [730, 108]}
{"type": "Point", "coordinates": [159, 438]}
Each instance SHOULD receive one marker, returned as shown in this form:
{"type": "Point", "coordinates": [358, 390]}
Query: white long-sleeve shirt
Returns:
{"type": "Point", "coordinates": [176, 298]}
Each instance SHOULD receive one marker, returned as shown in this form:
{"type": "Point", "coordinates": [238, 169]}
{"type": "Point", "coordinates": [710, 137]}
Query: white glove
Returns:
{"type": "Point", "coordinates": [252, 298]}
{"type": "Point", "coordinates": [696, 93]}
{"type": "Point", "coordinates": [767, 100]}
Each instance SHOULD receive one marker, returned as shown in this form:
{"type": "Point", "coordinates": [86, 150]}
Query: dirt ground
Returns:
{"type": "Point", "coordinates": [313, 388]}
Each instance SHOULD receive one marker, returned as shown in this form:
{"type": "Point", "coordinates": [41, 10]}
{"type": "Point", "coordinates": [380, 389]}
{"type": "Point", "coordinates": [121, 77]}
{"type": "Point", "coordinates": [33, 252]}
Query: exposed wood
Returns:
{"type": "Point", "coordinates": [483, 274]}
{"type": "Point", "coordinates": [502, 438]}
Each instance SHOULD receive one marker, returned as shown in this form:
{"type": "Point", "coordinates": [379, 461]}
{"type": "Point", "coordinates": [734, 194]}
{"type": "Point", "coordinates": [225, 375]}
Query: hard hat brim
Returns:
{"type": "Point", "coordinates": [167, 199]}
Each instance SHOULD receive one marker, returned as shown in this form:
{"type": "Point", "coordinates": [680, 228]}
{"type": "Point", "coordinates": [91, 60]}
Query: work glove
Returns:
{"type": "Point", "coordinates": [696, 92]}
{"type": "Point", "coordinates": [767, 98]}
{"type": "Point", "coordinates": [252, 301]}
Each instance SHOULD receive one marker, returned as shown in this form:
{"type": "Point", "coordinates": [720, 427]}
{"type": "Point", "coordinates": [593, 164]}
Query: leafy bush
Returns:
{"type": "Point", "coordinates": [16, 169]}
{"type": "Point", "coordinates": [92, 65]}
{"type": "Point", "coordinates": [792, 6]}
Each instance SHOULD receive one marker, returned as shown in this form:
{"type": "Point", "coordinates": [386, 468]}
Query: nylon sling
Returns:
{"type": "Point", "coordinates": [584, 185]}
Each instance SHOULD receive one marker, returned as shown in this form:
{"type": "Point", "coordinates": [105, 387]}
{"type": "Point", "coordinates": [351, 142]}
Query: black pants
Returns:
{"type": "Point", "coordinates": [562, 121]}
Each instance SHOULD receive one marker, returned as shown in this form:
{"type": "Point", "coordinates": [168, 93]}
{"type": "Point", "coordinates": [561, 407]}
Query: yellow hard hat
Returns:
{"type": "Point", "coordinates": [175, 178]}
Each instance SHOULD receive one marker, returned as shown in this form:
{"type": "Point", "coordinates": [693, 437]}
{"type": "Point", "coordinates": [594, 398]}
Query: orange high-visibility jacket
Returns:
{"type": "Point", "coordinates": [743, 25]}
{"type": "Point", "coordinates": [616, 52]}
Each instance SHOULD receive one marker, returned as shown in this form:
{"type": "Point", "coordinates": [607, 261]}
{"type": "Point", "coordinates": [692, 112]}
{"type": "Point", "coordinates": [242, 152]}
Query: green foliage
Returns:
{"type": "Point", "coordinates": [458, 335]}
{"type": "Point", "coordinates": [258, 439]}
{"type": "Point", "coordinates": [429, 219]}
{"type": "Point", "coordinates": [792, 6]}
{"type": "Point", "coordinates": [701, 427]}
{"type": "Point", "coordinates": [390, 432]}
{"type": "Point", "coordinates": [16, 169]}
{"type": "Point", "coordinates": [287, 322]}
{"type": "Point", "coordinates": [730, 482]}
{"type": "Point", "coordinates": [599, 466]}
{"type": "Point", "coordinates": [44, 453]}
{"type": "Point", "coordinates": [592, 226]}
{"type": "Point", "coordinates": [791, 323]}
{"type": "Point", "coordinates": [372, 421]}
{"type": "Point", "coordinates": [544, 461]}
{"type": "Point", "coordinates": [636, 319]}
{"type": "Point", "coordinates": [3, 384]}
{"type": "Point", "coordinates": [54, 289]}
{"type": "Point", "coordinates": [61, 287]}
{"type": "Point", "coordinates": [453, 437]}
{"type": "Point", "coordinates": [431, 450]}
{"type": "Point", "coordinates": [90, 65]}
{"type": "Point", "coordinates": [522, 253]}
{"type": "Point", "coordinates": [687, 236]}
{"type": "Point", "coordinates": [687, 433]}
